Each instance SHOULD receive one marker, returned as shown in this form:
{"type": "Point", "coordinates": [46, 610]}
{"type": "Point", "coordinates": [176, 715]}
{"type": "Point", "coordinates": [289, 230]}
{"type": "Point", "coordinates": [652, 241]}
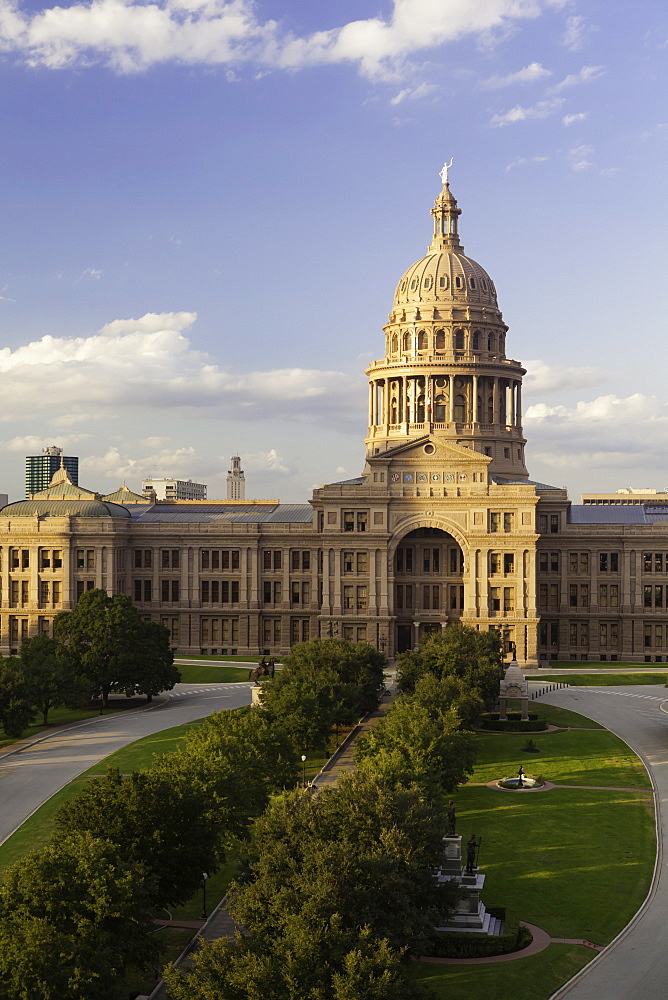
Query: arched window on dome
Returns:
{"type": "Point", "coordinates": [440, 409]}
{"type": "Point", "coordinates": [407, 341]}
{"type": "Point", "coordinates": [420, 410]}
{"type": "Point", "coordinates": [427, 283]}
{"type": "Point", "coordinates": [489, 342]}
{"type": "Point", "coordinates": [459, 340]}
{"type": "Point", "coordinates": [403, 285]}
{"type": "Point", "coordinates": [476, 341]}
{"type": "Point", "coordinates": [395, 344]}
{"type": "Point", "coordinates": [458, 282]}
{"type": "Point", "coordinates": [422, 340]}
{"type": "Point", "coordinates": [472, 282]}
{"type": "Point", "coordinates": [460, 408]}
{"type": "Point", "coordinates": [439, 342]}
{"type": "Point", "coordinates": [484, 285]}
{"type": "Point", "coordinates": [502, 345]}
{"type": "Point", "coordinates": [443, 281]}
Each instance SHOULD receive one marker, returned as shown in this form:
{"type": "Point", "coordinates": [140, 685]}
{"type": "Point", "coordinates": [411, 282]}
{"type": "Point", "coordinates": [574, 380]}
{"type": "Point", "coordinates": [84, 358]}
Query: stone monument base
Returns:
{"type": "Point", "coordinates": [471, 916]}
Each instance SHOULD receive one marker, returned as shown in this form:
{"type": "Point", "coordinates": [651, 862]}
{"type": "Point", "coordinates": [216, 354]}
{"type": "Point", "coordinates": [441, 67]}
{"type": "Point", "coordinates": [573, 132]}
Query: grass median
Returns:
{"type": "Point", "coordinates": [601, 680]}
{"type": "Point", "coordinates": [576, 862]}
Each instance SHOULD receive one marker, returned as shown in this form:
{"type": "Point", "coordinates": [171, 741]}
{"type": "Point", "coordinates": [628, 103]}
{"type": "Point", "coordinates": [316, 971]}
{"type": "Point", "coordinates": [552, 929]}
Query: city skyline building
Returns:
{"type": "Point", "coordinates": [173, 489]}
{"type": "Point", "coordinates": [236, 480]}
{"type": "Point", "coordinates": [40, 468]}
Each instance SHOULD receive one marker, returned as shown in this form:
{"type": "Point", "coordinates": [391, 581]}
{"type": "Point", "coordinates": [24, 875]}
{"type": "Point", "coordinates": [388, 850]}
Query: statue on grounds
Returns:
{"type": "Point", "coordinates": [472, 847]}
{"type": "Point", "coordinates": [520, 775]}
{"type": "Point", "coordinates": [452, 819]}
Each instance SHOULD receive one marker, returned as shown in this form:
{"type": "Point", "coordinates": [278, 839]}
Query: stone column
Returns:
{"type": "Point", "coordinates": [372, 390]}
{"type": "Point", "coordinates": [518, 411]}
{"type": "Point", "coordinates": [495, 401]}
{"type": "Point", "coordinates": [451, 383]}
{"type": "Point", "coordinates": [474, 408]}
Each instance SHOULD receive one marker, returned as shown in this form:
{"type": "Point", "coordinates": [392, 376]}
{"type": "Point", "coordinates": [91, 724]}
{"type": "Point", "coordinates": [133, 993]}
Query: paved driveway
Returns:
{"type": "Point", "coordinates": [636, 966]}
{"type": "Point", "coordinates": [30, 776]}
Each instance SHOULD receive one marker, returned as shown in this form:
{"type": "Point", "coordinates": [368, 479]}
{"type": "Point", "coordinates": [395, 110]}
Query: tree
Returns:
{"type": "Point", "coordinates": [110, 645]}
{"type": "Point", "coordinates": [162, 824]}
{"type": "Point", "coordinates": [17, 710]}
{"type": "Point", "coordinates": [471, 658]}
{"type": "Point", "coordinates": [50, 676]}
{"type": "Point", "coordinates": [431, 745]}
{"type": "Point", "coordinates": [236, 759]}
{"type": "Point", "coordinates": [73, 916]}
{"type": "Point", "coordinates": [154, 651]}
{"type": "Point", "coordinates": [324, 683]}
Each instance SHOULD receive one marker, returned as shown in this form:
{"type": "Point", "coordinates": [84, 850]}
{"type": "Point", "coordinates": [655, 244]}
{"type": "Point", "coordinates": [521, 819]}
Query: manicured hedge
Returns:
{"type": "Point", "coordinates": [513, 724]}
{"type": "Point", "coordinates": [514, 937]}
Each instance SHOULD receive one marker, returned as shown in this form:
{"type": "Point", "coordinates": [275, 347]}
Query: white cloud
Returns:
{"type": "Point", "coordinates": [579, 158]}
{"type": "Point", "coordinates": [543, 109]}
{"type": "Point", "coordinates": [526, 159]}
{"type": "Point", "coordinates": [542, 377]}
{"type": "Point", "coordinates": [413, 93]}
{"type": "Point", "coordinates": [133, 36]}
{"type": "Point", "coordinates": [268, 460]}
{"type": "Point", "coordinates": [586, 75]}
{"type": "Point", "coordinates": [529, 74]}
{"type": "Point", "coordinates": [93, 273]}
{"type": "Point", "coordinates": [148, 363]}
{"type": "Point", "coordinates": [32, 444]}
{"type": "Point", "coordinates": [113, 465]}
{"type": "Point", "coordinates": [575, 33]}
{"type": "Point", "coordinates": [568, 120]}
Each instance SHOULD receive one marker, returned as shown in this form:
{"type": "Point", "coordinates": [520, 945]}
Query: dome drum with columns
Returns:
{"type": "Point", "coordinates": [445, 370]}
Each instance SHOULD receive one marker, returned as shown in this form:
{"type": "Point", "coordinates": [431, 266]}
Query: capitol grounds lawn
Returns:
{"type": "Point", "coordinates": [576, 862]}
{"type": "Point", "coordinates": [555, 857]}
{"type": "Point", "coordinates": [602, 680]}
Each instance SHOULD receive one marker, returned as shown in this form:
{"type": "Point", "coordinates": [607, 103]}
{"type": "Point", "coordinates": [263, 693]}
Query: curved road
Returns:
{"type": "Point", "coordinates": [636, 966]}
{"type": "Point", "coordinates": [33, 773]}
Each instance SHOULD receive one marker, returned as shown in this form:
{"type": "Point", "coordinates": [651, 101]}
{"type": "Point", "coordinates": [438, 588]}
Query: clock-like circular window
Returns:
{"type": "Point", "coordinates": [429, 449]}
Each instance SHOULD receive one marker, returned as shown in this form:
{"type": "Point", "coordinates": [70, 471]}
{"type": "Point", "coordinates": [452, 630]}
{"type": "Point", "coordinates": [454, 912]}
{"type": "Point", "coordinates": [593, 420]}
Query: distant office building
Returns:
{"type": "Point", "coordinates": [236, 481]}
{"type": "Point", "coordinates": [40, 468]}
{"type": "Point", "coordinates": [626, 497]}
{"type": "Point", "coordinates": [4, 500]}
{"type": "Point", "coordinates": [173, 489]}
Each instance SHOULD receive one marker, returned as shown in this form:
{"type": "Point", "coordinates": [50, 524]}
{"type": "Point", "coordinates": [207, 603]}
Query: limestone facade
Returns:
{"type": "Point", "coordinates": [442, 526]}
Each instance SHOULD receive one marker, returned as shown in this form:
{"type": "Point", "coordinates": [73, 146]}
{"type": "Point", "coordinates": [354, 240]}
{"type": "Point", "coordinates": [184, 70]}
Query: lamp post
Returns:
{"type": "Point", "coordinates": [205, 876]}
{"type": "Point", "coordinates": [303, 770]}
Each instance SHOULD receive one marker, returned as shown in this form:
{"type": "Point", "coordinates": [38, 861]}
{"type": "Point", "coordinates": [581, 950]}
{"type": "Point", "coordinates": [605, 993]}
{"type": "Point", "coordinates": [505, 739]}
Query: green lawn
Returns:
{"type": "Point", "coordinates": [571, 757]}
{"type": "Point", "coordinates": [562, 716]}
{"type": "Point", "coordinates": [533, 978]}
{"type": "Point", "coordinates": [224, 659]}
{"type": "Point", "coordinates": [603, 664]}
{"type": "Point", "coordinates": [193, 673]}
{"type": "Point", "coordinates": [601, 680]}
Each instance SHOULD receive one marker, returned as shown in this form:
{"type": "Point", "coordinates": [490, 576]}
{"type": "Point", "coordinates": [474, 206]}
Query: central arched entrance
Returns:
{"type": "Point", "coordinates": [428, 584]}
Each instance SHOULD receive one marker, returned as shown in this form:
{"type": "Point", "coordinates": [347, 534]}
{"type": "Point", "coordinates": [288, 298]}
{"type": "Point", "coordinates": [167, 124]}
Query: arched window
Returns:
{"type": "Point", "coordinates": [490, 409]}
{"type": "Point", "coordinates": [440, 340]}
{"type": "Point", "coordinates": [476, 341]}
{"type": "Point", "coordinates": [395, 344]}
{"type": "Point", "coordinates": [427, 282]}
{"type": "Point", "coordinates": [439, 409]}
{"type": "Point", "coordinates": [420, 410]}
{"type": "Point", "coordinates": [460, 409]}
{"type": "Point", "coordinates": [443, 281]}
{"type": "Point", "coordinates": [422, 340]}
{"type": "Point", "coordinates": [458, 282]}
{"type": "Point", "coordinates": [459, 340]}
{"type": "Point", "coordinates": [489, 342]}
{"type": "Point", "coordinates": [393, 410]}
{"type": "Point", "coordinates": [472, 282]}
{"type": "Point", "coordinates": [407, 341]}
{"type": "Point", "coordinates": [502, 345]}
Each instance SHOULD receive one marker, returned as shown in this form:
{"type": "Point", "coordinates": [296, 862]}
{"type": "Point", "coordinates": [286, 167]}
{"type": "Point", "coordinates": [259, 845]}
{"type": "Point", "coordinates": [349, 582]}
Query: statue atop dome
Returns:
{"type": "Point", "coordinates": [444, 172]}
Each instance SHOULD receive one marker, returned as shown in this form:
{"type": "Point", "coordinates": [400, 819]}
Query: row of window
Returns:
{"type": "Point", "coordinates": [501, 521]}
{"type": "Point", "coordinates": [425, 341]}
{"type": "Point", "coordinates": [411, 559]}
{"type": "Point", "coordinates": [409, 597]}
{"type": "Point", "coordinates": [578, 562]}
{"type": "Point", "coordinates": [549, 595]}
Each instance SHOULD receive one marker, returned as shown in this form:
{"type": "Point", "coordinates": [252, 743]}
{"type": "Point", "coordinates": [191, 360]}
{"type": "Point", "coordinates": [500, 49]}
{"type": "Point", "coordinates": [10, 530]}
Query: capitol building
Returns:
{"type": "Point", "coordinates": [443, 525]}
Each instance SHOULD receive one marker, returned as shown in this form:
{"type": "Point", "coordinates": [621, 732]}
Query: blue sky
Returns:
{"type": "Point", "coordinates": [206, 206]}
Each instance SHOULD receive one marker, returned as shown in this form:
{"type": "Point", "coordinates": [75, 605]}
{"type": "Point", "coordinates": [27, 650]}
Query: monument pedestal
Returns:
{"type": "Point", "coordinates": [471, 915]}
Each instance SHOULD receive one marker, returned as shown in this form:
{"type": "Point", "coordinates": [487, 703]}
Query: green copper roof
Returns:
{"type": "Point", "coordinates": [64, 507]}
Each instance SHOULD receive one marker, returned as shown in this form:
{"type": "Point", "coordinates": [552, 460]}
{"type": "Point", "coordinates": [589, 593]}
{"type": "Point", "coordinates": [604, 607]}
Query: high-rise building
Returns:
{"type": "Point", "coordinates": [236, 481]}
{"type": "Point", "coordinates": [173, 489]}
{"type": "Point", "coordinates": [40, 468]}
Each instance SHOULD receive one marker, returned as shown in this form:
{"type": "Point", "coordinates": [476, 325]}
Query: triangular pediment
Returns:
{"type": "Point", "coordinates": [431, 449]}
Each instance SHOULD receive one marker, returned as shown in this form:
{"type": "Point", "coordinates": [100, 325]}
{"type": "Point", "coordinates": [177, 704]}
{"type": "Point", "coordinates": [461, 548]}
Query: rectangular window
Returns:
{"type": "Point", "coordinates": [603, 562]}
{"type": "Point", "coordinates": [584, 595]}
{"type": "Point", "coordinates": [614, 595]}
{"type": "Point", "coordinates": [603, 595]}
{"type": "Point", "coordinates": [494, 521]}
{"type": "Point", "coordinates": [306, 559]}
{"type": "Point", "coordinates": [408, 593]}
{"type": "Point", "coordinates": [494, 598]}
{"type": "Point", "coordinates": [138, 558]}
{"type": "Point", "coordinates": [584, 635]}
{"type": "Point", "coordinates": [426, 561]}
{"type": "Point", "coordinates": [278, 559]}
{"type": "Point", "coordinates": [349, 520]}
{"type": "Point", "coordinates": [572, 634]}
{"type": "Point", "coordinates": [573, 595]}
{"type": "Point", "coordinates": [148, 590]}
{"type": "Point", "coordinates": [436, 560]}
{"type": "Point", "coordinates": [554, 524]}
{"type": "Point", "coordinates": [400, 596]}
{"type": "Point", "coordinates": [294, 559]}
{"type": "Point", "coordinates": [361, 598]}
{"type": "Point", "coordinates": [542, 523]}
{"type": "Point", "coordinates": [494, 563]}
{"type": "Point", "coordinates": [266, 559]}
{"type": "Point", "coordinates": [614, 562]}
{"type": "Point", "coordinates": [436, 597]}
{"type": "Point", "coordinates": [215, 560]}
{"type": "Point", "coordinates": [164, 584]}
{"type": "Point", "coordinates": [138, 590]}
{"type": "Point", "coordinates": [508, 562]}
{"type": "Point", "coordinates": [603, 635]}
{"type": "Point", "coordinates": [647, 636]}
{"type": "Point", "coordinates": [362, 562]}
{"type": "Point", "coordinates": [542, 595]}
{"type": "Point", "coordinates": [647, 562]}
{"type": "Point", "coordinates": [554, 595]}
{"type": "Point", "coordinates": [348, 598]}
{"type": "Point", "coordinates": [658, 562]}
{"type": "Point", "coordinates": [408, 556]}
{"type": "Point", "coordinates": [554, 562]}
{"type": "Point", "coordinates": [164, 559]}
{"type": "Point", "coordinates": [175, 590]}
{"type": "Point", "coordinates": [426, 597]}
{"type": "Point", "coordinates": [348, 559]}
{"type": "Point", "coordinates": [647, 597]}
{"type": "Point", "coordinates": [235, 592]}
{"type": "Point", "coordinates": [614, 634]}
{"type": "Point", "coordinates": [399, 558]}
{"type": "Point", "coordinates": [508, 522]}
{"type": "Point", "coordinates": [542, 562]}
{"type": "Point", "coordinates": [295, 593]}
{"type": "Point", "coordinates": [225, 560]}
{"type": "Point", "coordinates": [584, 562]}
{"type": "Point", "coordinates": [215, 591]}
{"type": "Point", "coordinates": [658, 597]}
{"type": "Point", "coordinates": [362, 517]}
{"type": "Point", "coordinates": [573, 562]}
{"type": "Point", "coordinates": [57, 558]}
{"type": "Point", "coordinates": [508, 598]}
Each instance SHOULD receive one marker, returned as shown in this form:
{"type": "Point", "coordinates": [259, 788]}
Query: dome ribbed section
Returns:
{"type": "Point", "coordinates": [445, 278]}
{"type": "Point", "coordinates": [64, 507]}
